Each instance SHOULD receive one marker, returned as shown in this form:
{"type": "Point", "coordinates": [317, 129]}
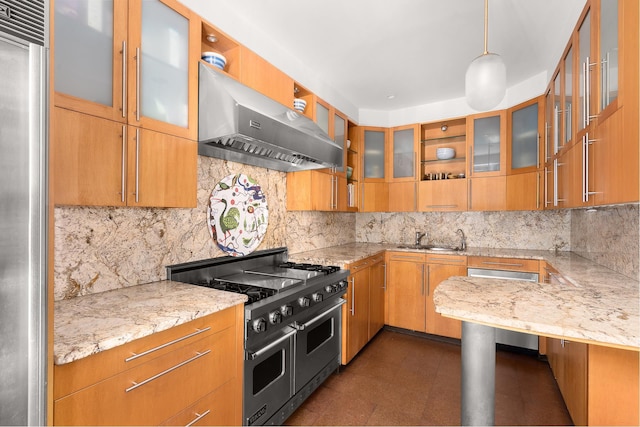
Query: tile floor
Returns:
{"type": "Point", "coordinates": [403, 379]}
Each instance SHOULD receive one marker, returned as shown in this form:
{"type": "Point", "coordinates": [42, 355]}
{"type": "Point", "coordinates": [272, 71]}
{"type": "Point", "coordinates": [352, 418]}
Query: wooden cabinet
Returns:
{"type": "Point", "coordinates": [488, 193]}
{"type": "Point", "coordinates": [106, 163]}
{"type": "Point", "coordinates": [126, 123]}
{"type": "Point", "coordinates": [377, 293]}
{"type": "Point", "coordinates": [439, 268]}
{"type": "Point", "coordinates": [525, 125]}
{"type": "Point", "coordinates": [444, 195]}
{"type": "Point", "coordinates": [442, 186]}
{"type": "Point", "coordinates": [163, 378]}
{"type": "Point", "coordinates": [524, 191]}
{"type": "Point", "coordinates": [364, 312]}
{"type": "Point", "coordinates": [511, 264]}
{"type": "Point", "coordinates": [406, 291]}
{"type": "Point", "coordinates": [262, 76]}
{"type": "Point", "coordinates": [612, 389]}
{"type": "Point", "coordinates": [487, 161]}
{"type": "Point", "coordinates": [316, 190]}
{"type": "Point", "coordinates": [568, 361]}
{"type": "Point", "coordinates": [402, 196]}
{"type": "Point", "coordinates": [353, 149]}
{"type": "Point", "coordinates": [374, 197]}
{"type": "Point", "coordinates": [143, 67]}
{"type": "Point", "coordinates": [595, 93]}
{"type": "Point", "coordinates": [403, 153]}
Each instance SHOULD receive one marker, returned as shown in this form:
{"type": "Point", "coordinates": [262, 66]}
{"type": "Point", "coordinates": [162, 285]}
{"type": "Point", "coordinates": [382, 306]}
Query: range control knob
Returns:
{"type": "Point", "coordinates": [275, 317]}
{"type": "Point", "coordinates": [330, 288]}
{"type": "Point", "coordinates": [259, 325]}
{"type": "Point", "coordinates": [303, 301]}
{"type": "Point", "coordinates": [342, 284]}
{"type": "Point", "coordinates": [317, 297]}
{"type": "Point", "coordinates": [286, 310]}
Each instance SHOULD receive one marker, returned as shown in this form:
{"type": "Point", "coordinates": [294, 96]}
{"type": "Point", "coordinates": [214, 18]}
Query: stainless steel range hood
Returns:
{"type": "Point", "coordinates": [239, 124]}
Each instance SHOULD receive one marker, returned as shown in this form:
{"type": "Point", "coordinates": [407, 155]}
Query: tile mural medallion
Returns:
{"type": "Point", "coordinates": [237, 215]}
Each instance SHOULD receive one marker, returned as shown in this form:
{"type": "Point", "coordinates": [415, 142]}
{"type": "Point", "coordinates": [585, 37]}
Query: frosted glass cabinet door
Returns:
{"type": "Point", "coordinates": [524, 137]}
{"type": "Point", "coordinates": [486, 144]}
{"type": "Point", "coordinates": [84, 58]}
{"type": "Point", "coordinates": [608, 52]}
{"type": "Point", "coordinates": [322, 117]}
{"type": "Point", "coordinates": [373, 154]}
{"type": "Point", "coordinates": [568, 97]}
{"type": "Point", "coordinates": [584, 49]}
{"type": "Point", "coordinates": [403, 154]}
{"type": "Point", "coordinates": [164, 66]}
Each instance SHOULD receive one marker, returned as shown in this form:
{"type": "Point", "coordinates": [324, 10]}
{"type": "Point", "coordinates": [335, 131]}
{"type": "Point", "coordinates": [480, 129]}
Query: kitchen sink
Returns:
{"type": "Point", "coordinates": [430, 247]}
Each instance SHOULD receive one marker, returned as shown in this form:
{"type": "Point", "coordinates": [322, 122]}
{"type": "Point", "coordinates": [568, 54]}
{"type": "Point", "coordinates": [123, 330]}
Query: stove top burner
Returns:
{"type": "Point", "coordinates": [326, 269]}
{"type": "Point", "coordinates": [253, 292]}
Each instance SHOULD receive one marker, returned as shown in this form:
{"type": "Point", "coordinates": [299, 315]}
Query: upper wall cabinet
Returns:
{"type": "Point", "coordinates": [133, 62]}
{"type": "Point", "coordinates": [403, 156]}
{"type": "Point", "coordinates": [524, 126]}
{"type": "Point", "coordinates": [374, 154]}
{"type": "Point", "coordinates": [487, 136]}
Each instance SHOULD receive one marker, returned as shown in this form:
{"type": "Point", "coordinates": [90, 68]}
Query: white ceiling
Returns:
{"type": "Point", "coordinates": [416, 50]}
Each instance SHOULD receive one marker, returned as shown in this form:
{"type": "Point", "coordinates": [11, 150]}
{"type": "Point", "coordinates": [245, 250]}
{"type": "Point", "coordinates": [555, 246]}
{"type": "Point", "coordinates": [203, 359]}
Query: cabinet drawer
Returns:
{"type": "Point", "coordinates": [218, 408]}
{"type": "Point", "coordinates": [82, 373]}
{"type": "Point", "coordinates": [447, 259]}
{"type": "Point", "coordinates": [154, 391]}
{"type": "Point", "coordinates": [364, 263]}
{"type": "Point", "coordinates": [511, 264]}
{"type": "Point", "coordinates": [406, 256]}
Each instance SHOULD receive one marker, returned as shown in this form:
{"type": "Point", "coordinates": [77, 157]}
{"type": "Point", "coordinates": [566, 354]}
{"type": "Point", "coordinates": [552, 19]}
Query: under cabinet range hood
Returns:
{"type": "Point", "coordinates": [239, 124]}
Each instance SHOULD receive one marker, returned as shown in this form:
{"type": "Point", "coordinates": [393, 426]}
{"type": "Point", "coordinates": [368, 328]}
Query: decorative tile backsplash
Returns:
{"type": "Point", "coordinates": [98, 249]}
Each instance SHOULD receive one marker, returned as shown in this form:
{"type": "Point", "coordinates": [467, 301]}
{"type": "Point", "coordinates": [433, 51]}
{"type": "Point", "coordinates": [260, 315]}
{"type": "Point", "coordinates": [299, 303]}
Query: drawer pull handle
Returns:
{"type": "Point", "coordinates": [199, 417]}
{"type": "Point", "coordinates": [446, 259]}
{"type": "Point", "coordinates": [173, 368]}
{"type": "Point", "coordinates": [144, 353]}
{"type": "Point", "coordinates": [509, 264]}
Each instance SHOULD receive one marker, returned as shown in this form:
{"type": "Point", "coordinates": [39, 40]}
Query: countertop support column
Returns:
{"type": "Point", "coordinates": [478, 374]}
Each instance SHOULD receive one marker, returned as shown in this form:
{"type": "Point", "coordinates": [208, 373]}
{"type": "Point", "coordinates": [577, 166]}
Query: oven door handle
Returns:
{"type": "Point", "coordinates": [302, 326]}
{"type": "Point", "coordinates": [254, 355]}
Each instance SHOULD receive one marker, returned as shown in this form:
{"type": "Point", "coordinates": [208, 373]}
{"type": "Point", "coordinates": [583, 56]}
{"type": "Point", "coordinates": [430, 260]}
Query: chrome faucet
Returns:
{"type": "Point", "coordinates": [463, 239]}
{"type": "Point", "coordinates": [419, 237]}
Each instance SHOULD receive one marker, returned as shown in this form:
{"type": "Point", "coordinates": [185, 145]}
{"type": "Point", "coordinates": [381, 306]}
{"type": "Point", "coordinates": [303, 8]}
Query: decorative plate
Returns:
{"type": "Point", "coordinates": [237, 215]}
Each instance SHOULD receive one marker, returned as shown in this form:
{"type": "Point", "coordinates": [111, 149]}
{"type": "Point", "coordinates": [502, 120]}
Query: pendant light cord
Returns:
{"type": "Point", "coordinates": [486, 25]}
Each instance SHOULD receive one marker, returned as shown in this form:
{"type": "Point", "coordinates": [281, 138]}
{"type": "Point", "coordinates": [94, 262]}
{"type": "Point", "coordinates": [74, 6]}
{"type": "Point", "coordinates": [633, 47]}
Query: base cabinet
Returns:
{"type": "Point", "coordinates": [440, 268]}
{"type": "Point", "coordinates": [599, 384]}
{"type": "Point", "coordinates": [363, 314]}
{"type": "Point", "coordinates": [406, 291]}
{"type": "Point", "coordinates": [175, 376]}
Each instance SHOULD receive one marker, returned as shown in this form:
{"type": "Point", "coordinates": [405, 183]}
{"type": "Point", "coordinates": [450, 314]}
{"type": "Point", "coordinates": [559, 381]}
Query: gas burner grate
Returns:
{"type": "Point", "coordinates": [254, 293]}
{"type": "Point", "coordinates": [326, 269]}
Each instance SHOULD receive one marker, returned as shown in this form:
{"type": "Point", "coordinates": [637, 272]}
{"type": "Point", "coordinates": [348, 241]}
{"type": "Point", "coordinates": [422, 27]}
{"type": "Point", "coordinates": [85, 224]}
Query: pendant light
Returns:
{"type": "Point", "coordinates": [486, 78]}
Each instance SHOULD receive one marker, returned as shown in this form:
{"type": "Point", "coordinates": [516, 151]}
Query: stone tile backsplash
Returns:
{"type": "Point", "coordinates": [99, 249]}
{"type": "Point", "coordinates": [609, 236]}
{"type": "Point", "coordinates": [544, 230]}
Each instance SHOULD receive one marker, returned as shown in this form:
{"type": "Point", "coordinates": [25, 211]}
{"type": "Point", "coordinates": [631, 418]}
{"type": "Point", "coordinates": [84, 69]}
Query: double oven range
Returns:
{"type": "Point", "coordinates": [292, 332]}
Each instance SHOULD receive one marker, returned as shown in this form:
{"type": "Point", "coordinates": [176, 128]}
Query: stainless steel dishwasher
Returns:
{"type": "Point", "coordinates": [511, 338]}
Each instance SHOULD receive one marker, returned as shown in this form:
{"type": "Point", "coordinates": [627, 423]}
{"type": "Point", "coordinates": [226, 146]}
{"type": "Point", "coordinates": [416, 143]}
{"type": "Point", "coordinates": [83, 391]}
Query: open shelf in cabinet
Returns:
{"type": "Point", "coordinates": [301, 92]}
{"type": "Point", "coordinates": [450, 134]}
{"type": "Point", "coordinates": [214, 40]}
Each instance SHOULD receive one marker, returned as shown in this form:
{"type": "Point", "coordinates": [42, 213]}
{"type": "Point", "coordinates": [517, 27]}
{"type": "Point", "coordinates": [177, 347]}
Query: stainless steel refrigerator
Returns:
{"type": "Point", "coordinates": [23, 210]}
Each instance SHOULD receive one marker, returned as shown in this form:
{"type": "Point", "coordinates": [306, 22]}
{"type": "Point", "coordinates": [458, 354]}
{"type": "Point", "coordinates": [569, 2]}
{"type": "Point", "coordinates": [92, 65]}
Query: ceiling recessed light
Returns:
{"type": "Point", "coordinates": [211, 38]}
{"type": "Point", "coordinates": [390, 96]}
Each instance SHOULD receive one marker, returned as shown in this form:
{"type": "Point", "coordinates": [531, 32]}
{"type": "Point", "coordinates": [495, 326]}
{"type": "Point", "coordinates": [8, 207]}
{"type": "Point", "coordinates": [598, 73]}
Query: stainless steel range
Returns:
{"type": "Point", "coordinates": [292, 325]}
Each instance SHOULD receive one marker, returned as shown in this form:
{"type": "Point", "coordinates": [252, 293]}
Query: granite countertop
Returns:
{"type": "Point", "coordinates": [92, 323]}
{"type": "Point", "coordinates": [593, 304]}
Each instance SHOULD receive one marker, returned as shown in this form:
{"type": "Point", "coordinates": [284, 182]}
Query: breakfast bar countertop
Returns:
{"type": "Point", "coordinates": [591, 303]}
{"type": "Point", "coordinates": [93, 323]}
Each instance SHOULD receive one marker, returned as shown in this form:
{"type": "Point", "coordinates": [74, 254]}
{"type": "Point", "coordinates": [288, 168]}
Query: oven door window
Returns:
{"type": "Point", "coordinates": [268, 371]}
{"type": "Point", "coordinates": [320, 334]}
